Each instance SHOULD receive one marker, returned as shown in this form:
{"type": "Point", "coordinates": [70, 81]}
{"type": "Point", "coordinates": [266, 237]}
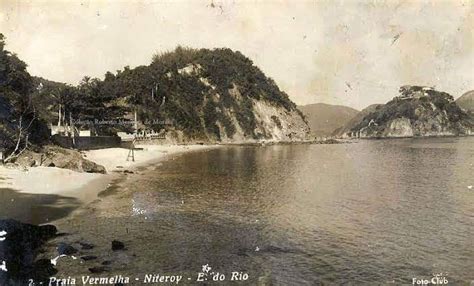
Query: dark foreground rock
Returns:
{"type": "Point", "coordinates": [66, 249]}
{"type": "Point", "coordinates": [98, 269]}
{"type": "Point", "coordinates": [117, 245]}
{"type": "Point", "coordinates": [19, 243]}
{"type": "Point", "coordinates": [88, 257]}
{"type": "Point", "coordinates": [55, 156]}
{"type": "Point", "coordinates": [86, 246]}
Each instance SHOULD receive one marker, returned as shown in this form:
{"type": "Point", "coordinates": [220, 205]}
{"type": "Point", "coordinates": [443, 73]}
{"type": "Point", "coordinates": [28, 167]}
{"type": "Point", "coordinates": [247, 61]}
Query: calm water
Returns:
{"type": "Point", "coordinates": [373, 212]}
{"type": "Point", "coordinates": [381, 211]}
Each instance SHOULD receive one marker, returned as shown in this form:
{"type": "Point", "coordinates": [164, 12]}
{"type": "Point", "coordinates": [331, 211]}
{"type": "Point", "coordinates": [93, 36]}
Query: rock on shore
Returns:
{"type": "Point", "coordinates": [54, 156]}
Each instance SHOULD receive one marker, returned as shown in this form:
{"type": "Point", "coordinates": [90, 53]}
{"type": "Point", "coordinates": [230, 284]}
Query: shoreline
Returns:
{"type": "Point", "coordinates": [57, 181]}
{"type": "Point", "coordinates": [117, 216]}
{"type": "Point", "coordinates": [86, 186]}
{"type": "Point", "coordinates": [99, 222]}
{"type": "Point", "coordinates": [114, 159]}
{"type": "Point", "coordinates": [102, 196]}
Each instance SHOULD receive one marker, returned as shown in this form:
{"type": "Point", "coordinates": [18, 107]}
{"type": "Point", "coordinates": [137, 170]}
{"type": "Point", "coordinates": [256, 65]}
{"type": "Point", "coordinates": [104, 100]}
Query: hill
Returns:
{"type": "Point", "coordinates": [466, 101]}
{"type": "Point", "coordinates": [188, 95]}
{"type": "Point", "coordinates": [323, 118]}
{"type": "Point", "coordinates": [418, 111]}
{"type": "Point", "coordinates": [206, 95]}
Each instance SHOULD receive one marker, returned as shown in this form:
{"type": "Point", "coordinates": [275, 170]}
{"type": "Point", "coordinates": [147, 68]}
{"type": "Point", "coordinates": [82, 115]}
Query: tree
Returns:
{"type": "Point", "coordinates": [16, 86]}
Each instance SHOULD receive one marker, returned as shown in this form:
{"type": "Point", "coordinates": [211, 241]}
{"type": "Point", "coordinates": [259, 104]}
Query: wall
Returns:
{"type": "Point", "coordinates": [87, 142]}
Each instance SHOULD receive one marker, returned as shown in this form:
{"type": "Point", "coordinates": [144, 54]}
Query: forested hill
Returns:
{"type": "Point", "coordinates": [417, 111]}
{"type": "Point", "coordinates": [191, 95]}
{"type": "Point", "coordinates": [211, 95]}
{"type": "Point", "coordinates": [207, 94]}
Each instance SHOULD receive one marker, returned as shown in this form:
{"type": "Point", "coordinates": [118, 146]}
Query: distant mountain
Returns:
{"type": "Point", "coordinates": [323, 118]}
{"type": "Point", "coordinates": [418, 111]}
{"type": "Point", "coordinates": [466, 101]}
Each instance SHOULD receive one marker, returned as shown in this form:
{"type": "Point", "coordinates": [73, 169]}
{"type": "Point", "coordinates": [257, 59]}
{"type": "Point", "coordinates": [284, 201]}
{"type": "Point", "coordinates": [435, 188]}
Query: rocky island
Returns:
{"type": "Point", "coordinates": [417, 112]}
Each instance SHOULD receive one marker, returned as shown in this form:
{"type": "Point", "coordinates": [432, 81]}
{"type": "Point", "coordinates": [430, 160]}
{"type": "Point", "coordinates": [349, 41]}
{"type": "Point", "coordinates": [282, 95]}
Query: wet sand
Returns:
{"type": "Point", "coordinates": [108, 217]}
{"type": "Point", "coordinates": [45, 194]}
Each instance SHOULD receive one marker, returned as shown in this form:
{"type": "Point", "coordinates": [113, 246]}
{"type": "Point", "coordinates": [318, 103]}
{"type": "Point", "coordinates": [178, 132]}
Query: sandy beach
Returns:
{"type": "Point", "coordinates": [51, 180]}
{"type": "Point", "coordinates": [115, 158]}
{"type": "Point", "coordinates": [78, 204]}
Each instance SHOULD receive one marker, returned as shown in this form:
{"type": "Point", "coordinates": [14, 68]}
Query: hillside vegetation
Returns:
{"type": "Point", "coordinates": [418, 111]}
{"type": "Point", "coordinates": [206, 94]}
{"type": "Point", "coordinates": [20, 125]}
{"type": "Point", "coordinates": [188, 94]}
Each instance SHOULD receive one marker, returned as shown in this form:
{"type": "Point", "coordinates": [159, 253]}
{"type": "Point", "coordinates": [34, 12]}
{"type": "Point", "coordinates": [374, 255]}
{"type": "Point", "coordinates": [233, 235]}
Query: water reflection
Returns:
{"type": "Point", "coordinates": [375, 211]}
{"type": "Point", "coordinates": [379, 212]}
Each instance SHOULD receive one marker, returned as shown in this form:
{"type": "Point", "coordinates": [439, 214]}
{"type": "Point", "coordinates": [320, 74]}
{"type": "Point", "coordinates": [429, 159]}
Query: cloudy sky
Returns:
{"type": "Point", "coordinates": [353, 53]}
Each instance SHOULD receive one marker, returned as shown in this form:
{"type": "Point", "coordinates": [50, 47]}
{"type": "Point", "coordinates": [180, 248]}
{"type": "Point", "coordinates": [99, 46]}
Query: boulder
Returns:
{"type": "Point", "coordinates": [65, 249]}
{"type": "Point", "coordinates": [88, 257]}
{"type": "Point", "coordinates": [86, 246]}
{"type": "Point", "coordinates": [29, 159]}
{"type": "Point", "coordinates": [54, 156]}
{"type": "Point", "coordinates": [117, 245]}
{"type": "Point", "coordinates": [70, 159]}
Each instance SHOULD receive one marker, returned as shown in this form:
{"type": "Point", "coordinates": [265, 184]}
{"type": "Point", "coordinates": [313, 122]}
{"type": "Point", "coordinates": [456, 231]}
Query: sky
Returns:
{"type": "Point", "coordinates": [352, 53]}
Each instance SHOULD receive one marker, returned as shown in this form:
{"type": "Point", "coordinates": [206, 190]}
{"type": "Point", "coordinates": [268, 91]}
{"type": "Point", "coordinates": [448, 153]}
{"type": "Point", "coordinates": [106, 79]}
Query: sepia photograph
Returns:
{"type": "Point", "coordinates": [236, 142]}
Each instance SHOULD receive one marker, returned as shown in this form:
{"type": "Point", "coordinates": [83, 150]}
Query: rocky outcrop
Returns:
{"type": "Point", "coordinates": [418, 111]}
{"type": "Point", "coordinates": [399, 127]}
{"type": "Point", "coordinates": [54, 156]}
{"type": "Point", "coordinates": [278, 124]}
{"type": "Point", "coordinates": [231, 115]}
